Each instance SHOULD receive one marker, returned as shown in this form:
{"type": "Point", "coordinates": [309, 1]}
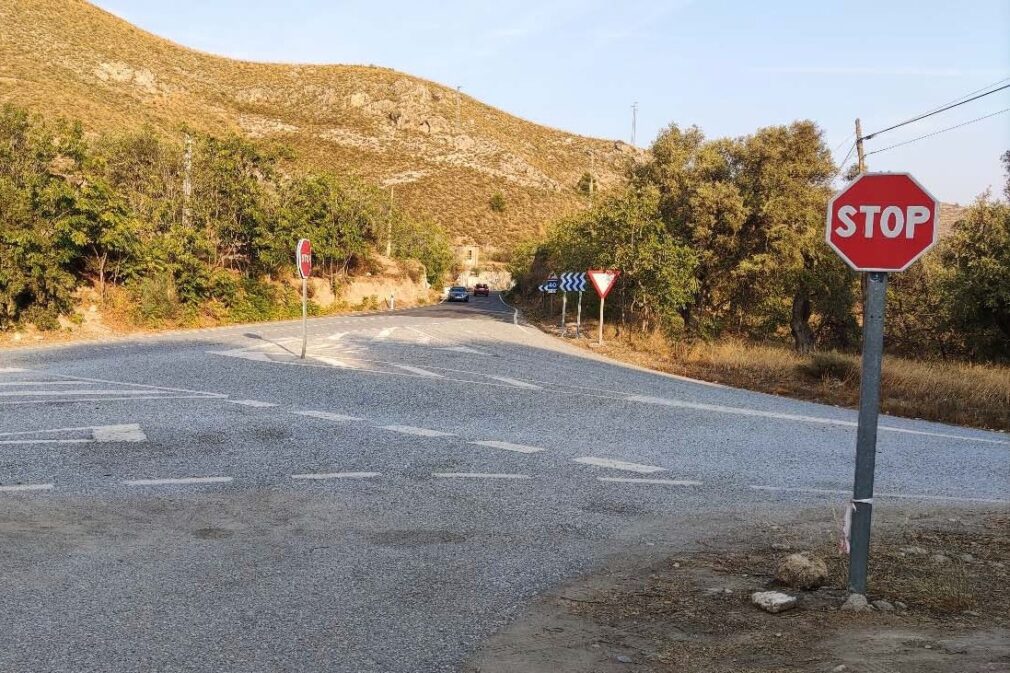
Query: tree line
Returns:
{"type": "Point", "coordinates": [184, 228]}
{"type": "Point", "coordinates": [725, 237]}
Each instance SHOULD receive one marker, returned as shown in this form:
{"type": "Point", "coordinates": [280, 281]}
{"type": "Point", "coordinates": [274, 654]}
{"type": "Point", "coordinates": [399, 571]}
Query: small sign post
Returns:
{"type": "Point", "coordinates": [303, 259]}
{"type": "Point", "coordinates": [880, 223]}
{"type": "Point", "coordinates": [603, 281]}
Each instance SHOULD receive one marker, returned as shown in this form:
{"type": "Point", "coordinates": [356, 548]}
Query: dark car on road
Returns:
{"type": "Point", "coordinates": [481, 290]}
{"type": "Point", "coordinates": [458, 293]}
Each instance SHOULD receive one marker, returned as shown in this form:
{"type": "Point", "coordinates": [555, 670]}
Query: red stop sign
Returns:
{"type": "Point", "coordinates": [303, 257]}
{"type": "Point", "coordinates": [882, 222]}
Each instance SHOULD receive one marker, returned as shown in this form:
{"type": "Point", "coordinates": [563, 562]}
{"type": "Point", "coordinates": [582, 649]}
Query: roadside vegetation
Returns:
{"type": "Point", "coordinates": [167, 244]}
{"type": "Point", "coordinates": [726, 276]}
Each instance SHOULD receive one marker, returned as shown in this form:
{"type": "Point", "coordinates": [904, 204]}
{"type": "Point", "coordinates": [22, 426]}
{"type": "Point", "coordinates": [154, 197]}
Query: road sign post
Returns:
{"type": "Point", "coordinates": [880, 223]}
{"type": "Point", "coordinates": [578, 317]}
{"type": "Point", "coordinates": [603, 281]}
{"type": "Point", "coordinates": [564, 307]}
{"type": "Point", "coordinates": [303, 258]}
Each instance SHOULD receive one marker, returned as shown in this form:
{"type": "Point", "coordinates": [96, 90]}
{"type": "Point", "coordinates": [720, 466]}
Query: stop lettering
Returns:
{"type": "Point", "coordinates": [882, 222]}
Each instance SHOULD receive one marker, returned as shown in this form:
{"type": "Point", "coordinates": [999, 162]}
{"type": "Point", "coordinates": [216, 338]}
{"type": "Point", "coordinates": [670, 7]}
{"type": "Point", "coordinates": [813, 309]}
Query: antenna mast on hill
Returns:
{"type": "Point", "coordinates": [634, 121]}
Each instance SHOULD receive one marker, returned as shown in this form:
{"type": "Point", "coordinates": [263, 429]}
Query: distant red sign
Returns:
{"type": "Point", "coordinates": [303, 257]}
{"type": "Point", "coordinates": [882, 222]}
{"type": "Point", "coordinates": [603, 280]}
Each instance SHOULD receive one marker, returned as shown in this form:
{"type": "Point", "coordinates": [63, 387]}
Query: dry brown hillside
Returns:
{"type": "Point", "coordinates": [69, 58]}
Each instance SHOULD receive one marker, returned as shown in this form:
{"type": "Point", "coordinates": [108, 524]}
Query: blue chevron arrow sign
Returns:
{"type": "Point", "coordinates": [572, 281]}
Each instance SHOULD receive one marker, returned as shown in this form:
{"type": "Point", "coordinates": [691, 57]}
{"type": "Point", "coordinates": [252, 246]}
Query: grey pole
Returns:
{"type": "Point", "coordinates": [601, 320]}
{"type": "Point", "coordinates": [866, 434]}
{"type": "Point", "coordinates": [305, 315]}
{"type": "Point", "coordinates": [578, 317]}
{"type": "Point", "coordinates": [564, 307]}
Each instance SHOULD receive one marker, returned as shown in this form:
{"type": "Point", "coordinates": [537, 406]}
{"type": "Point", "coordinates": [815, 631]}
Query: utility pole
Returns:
{"type": "Point", "coordinates": [389, 225]}
{"type": "Point", "coordinates": [634, 121]}
{"type": "Point", "coordinates": [874, 291]}
{"type": "Point", "coordinates": [187, 179]}
{"type": "Point", "coordinates": [859, 147]}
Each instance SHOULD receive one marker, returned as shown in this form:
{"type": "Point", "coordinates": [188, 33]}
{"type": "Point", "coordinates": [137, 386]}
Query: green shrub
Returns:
{"type": "Point", "coordinates": [831, 366]}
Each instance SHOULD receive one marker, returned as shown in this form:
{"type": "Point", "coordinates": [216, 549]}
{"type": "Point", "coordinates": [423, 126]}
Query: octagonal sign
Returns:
{"type": "Point", "coordinates": [883, 222]}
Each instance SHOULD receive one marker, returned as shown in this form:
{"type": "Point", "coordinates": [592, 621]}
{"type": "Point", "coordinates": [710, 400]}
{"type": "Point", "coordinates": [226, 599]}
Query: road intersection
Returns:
{"type": "Point", "coordinates": [208, 501]}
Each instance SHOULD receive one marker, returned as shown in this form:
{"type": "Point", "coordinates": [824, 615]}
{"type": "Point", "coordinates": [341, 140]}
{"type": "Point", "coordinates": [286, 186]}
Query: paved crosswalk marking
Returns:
{"type": "Point", "coordinates": [411, 430]}
{"type": "Point", "coordinates": [508, 446]}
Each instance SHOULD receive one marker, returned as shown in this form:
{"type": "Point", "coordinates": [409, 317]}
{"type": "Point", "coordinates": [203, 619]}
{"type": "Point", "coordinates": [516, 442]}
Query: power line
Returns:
{"type": "Point", "coordinates": [935, 133]}
{"type": "Point", "coordinates": [987, 86]}
{"type": "Point", "coordinates": [841, 166]}
{"type": "Point", "coordinates": [844, 140]}
{"type": "Point", "coordinates": [934, 112]}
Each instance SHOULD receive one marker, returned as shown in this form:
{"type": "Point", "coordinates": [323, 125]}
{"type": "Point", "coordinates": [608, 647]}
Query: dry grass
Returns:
{"type": "Point", "coordinates": [69, 58]}
{"type": "Point", "coordinates": [949, 392]}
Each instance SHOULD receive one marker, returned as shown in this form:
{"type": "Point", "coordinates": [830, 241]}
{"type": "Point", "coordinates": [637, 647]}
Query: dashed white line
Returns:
{"type": "Point", "coordinates": [177, 481]}
{"type": "Point", "coordinates": [663, 482]}
{"type": "Point", "coordinates": [618, 465]}
{"type": "Point", "coordinates": [18, 488]}
{"type": "Point", "coordinates": [791, 489]}
{"type": "Point", "coordinates": [478, 475]}
{"type": "Point", "coordinates": [36, 393]}
{"type": "Point", "coordinates": [516, 383]}
{"type": "Point", "coordinates": [12, 370]}
{"type": "Point", "coordinates": [253, 403]}
{"type": "Point", "coordinates": [130, 432]}
{"type": "Point", "coordinates": [337, 475]}
{"type": "Point", "coordinates": [508, 446]}
{"type": "Point", "coordinates": [327, 416]}
{"type": "Point", "coordinates": [420, 432]}
{"type": "Point", "coordinates": [417, 370]}
{"type": "Point", "coordinates": [384, 333]}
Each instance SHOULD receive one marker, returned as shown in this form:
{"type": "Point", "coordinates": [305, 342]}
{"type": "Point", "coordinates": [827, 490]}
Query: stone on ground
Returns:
{"type": "Point", "coordinates": [856, 603]}
{"type": "Point", "coordinates": [802, 571]}
{"type": "Point", "coordinates": [773, 601]}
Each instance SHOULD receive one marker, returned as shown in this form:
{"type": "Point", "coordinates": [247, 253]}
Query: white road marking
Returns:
{"type": "Point", "coordinates": [53, 393]}
{"type": "Point", "coordinates": [425, 337]}
{"type": "Point", "coordinates": [336, 336]}
{"type": "Point", "coordinates": [178, 481]}
{"type": "Point", "coordinates": [6, 442]}
{"type": "Point", "coordinates": [664, 482]}
{"type": "Point", "coordinates": [384, 333]}
{"type": "Point", "coordinates": [418, 371]}
{"type": "Point", "coordinates": [110, 399]}
{"type": "Point", "coordinates": [337, 475]}
{"type": "Point", "coordinates": [26, 487]}
{"type": "Point", "coordinates": [42, 383]}
{"type": "Point", "coordinates": [516, 382]}
{"type": "Point", "coordinates": [119, 433]}
{"type": "Point", "coordinates": [478, 475]}
{"type": "Point", "coordinates": [618, 465]}
{"type": "Point", "coordinates": [508, 446]}
{"type": "Point", "coordinates": [334, 362]}
{"type": "Point", "coordinates": [904, 496]}
{"type": "Point", "coordinates": [253, 403]}
{"type": "Point", "coordinates": [327, 416]}
{"type": "Point", "coordinates": [463, 349]}
{"type": "Point", "coordinates": [790, 489]}
{"type": "Point", "coordinates": [743, 411]}
{"type": "Point", "coordinates": [411, 430]}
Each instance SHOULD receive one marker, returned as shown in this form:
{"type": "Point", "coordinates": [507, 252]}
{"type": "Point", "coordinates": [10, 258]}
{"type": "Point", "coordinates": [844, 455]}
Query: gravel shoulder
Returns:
{"type": "Point", "coordinates": [945, 577]}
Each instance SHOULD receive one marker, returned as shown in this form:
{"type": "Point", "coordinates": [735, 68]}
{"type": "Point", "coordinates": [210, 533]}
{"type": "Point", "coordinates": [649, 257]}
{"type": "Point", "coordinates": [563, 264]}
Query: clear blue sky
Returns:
{"type": "Point", "coordinates": [729, 67]}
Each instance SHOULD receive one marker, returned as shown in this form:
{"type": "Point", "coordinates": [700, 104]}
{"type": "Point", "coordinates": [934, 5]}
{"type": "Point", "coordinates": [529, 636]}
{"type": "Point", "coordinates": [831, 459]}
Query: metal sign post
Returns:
{"type": "Point", "coordinates": [603, 281]}
{"type": "Point", "coordinates": [564, 307]}
{"type": "Point", "coordinates": [880, 223]}
{"type": "Point", "coordinates": [866, 434]}
{"type": "Point", "coordinates": [578, 317]}
{"type": "Point", "coordinates": [303, 259]}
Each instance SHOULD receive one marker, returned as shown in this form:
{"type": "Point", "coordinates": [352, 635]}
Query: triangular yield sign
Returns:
{"type": "Point", "coordinates": [603, 280]}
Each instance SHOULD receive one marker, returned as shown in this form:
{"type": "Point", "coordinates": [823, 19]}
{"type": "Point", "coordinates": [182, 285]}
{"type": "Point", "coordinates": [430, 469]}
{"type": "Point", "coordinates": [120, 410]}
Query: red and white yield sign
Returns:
{"type": "Point", "coordinates": [883, 222]}
{"type": "Point", "coordinates": [603, 280]}
{"type": "Point", "coordinates": [303, 257]}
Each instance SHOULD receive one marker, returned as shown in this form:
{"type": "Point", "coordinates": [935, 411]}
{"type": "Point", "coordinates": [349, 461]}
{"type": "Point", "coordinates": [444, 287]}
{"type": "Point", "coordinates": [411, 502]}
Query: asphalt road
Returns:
{"type": "Point", "coordinates": [207, 501]}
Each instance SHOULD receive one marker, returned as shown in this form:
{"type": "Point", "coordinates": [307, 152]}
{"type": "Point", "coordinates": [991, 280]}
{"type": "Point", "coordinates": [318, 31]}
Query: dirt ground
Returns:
{"type": "Point", "coordinates": [692, 613]}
